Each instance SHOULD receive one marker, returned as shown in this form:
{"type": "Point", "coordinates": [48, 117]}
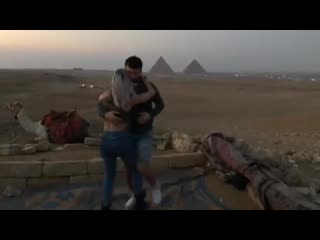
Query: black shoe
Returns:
{"type": "Point", "coordinates": [140, 202]}
{"type": "Point", "coordinates": [103, 207]}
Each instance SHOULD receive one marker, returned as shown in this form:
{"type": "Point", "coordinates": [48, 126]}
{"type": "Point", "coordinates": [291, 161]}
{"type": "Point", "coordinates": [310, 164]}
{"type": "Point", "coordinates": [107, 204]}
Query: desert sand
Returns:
{"type": "Point", "coordinates": [261, 111]}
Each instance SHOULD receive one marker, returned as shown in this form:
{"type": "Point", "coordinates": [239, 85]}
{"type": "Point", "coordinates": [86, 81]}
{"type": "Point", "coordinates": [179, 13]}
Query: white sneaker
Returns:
{"type": "Point", "coordinates": [130, 202]}
{"type": "Point", "coordinates": [156, 196]}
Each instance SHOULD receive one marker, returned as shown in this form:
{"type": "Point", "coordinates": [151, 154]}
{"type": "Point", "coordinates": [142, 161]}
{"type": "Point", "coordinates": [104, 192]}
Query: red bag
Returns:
{"type": "Point", "coordinates": [65, 127]}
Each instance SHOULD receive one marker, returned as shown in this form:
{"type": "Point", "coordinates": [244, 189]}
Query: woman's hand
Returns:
{"type": "Point", "coordinates": [149, 86]}
{"type": "Point", "coordinates": [105, 96]}
{"type": "Point", "coordinates": [144, 118]}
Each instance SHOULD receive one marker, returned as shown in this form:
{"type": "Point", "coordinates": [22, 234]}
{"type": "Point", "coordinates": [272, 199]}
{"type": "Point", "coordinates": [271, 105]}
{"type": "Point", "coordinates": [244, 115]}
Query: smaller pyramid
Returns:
{"type": "Point", "coordinates": [194, 68]}
{"type": "Point", "coordinates": [161, 67]}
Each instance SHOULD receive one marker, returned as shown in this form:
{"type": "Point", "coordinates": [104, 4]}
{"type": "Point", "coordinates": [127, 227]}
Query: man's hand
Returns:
{"type": "Point", "coordinates": [143, 118]}
{"type": "Point", "coordinates": [112, 116]}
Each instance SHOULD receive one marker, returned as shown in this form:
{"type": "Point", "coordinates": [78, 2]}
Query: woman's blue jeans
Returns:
{"type": "Point", "coordinates": [114, 145]}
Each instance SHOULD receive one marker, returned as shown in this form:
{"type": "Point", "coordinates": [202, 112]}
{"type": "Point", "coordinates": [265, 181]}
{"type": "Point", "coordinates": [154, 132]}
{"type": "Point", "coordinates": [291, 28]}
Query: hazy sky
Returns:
{"type": "Point", "coordinates": [230, 50]}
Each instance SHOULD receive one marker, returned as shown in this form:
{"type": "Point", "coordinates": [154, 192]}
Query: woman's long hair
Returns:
{"type": "Point", "coordinates": [122, 89]}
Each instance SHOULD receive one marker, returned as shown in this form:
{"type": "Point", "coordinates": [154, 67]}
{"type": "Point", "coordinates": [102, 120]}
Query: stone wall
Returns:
{"type": "Point", "coordinates": [20, 174]}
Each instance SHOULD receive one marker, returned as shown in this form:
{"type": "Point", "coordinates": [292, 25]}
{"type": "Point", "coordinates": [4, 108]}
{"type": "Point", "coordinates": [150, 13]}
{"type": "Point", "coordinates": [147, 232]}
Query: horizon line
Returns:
{"type": "Point", "coordinates": [108, 70]}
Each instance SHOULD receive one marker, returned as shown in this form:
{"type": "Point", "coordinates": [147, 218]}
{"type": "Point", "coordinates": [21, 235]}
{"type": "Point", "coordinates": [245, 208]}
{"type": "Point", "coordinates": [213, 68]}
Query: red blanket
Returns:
{"type": "Point", "coordinates": [65, 127]}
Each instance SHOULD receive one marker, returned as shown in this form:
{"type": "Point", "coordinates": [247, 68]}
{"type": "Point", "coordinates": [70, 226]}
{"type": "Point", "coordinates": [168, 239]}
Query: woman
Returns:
{"type": "Point", "coordinates": [117, 142]}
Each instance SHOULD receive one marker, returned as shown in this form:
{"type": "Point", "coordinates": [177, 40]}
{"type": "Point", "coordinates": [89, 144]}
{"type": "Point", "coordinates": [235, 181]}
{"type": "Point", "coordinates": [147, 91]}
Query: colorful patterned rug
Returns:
{"type": "Point", "coordinates": [180, 191]}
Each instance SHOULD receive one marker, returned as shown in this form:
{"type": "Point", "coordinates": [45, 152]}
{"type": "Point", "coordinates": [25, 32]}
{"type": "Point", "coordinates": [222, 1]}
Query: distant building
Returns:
{"type": "Point", "coordinates": [77, 69]}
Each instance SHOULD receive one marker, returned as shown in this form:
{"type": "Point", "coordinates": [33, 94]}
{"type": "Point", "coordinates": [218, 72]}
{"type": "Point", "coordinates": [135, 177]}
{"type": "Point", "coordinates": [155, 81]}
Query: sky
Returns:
{"type": "Point", "coordinates": [216, 50]}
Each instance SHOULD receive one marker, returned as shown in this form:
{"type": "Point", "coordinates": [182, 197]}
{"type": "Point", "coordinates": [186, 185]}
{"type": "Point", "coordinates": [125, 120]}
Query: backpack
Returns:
{"type": "Point", "coordinates": [65, 127]}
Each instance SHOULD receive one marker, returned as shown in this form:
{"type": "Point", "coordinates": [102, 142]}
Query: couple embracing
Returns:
{"type": "Point", "coordinates": [128, 113]}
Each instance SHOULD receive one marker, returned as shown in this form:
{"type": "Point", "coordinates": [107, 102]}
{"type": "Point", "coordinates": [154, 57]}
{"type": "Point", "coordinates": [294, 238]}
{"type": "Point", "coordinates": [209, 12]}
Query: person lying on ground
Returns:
{"type": "Point", "coordinates": [272, 193]}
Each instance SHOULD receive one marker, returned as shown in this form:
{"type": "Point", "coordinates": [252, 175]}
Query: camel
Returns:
{"type": "Point", "coordinates": [54, 127]}
{"type": "Point", "coordinates": [27, 123]}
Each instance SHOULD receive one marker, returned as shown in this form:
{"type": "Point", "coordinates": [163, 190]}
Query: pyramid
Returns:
{"type": "Point", "coordinates": [161, 67]}
{"type": "Point", "coordinates": [194, 68]}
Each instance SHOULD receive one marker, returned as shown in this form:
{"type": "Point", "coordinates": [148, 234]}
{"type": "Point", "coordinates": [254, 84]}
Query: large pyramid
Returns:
{"type": "Point", "coordinates": [161, 67]}
{"type": "Point", "coordinates": [194, 68]}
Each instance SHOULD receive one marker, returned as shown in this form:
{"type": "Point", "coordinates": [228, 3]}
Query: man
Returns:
{"type": "Point", "coordinates": [141, 126]}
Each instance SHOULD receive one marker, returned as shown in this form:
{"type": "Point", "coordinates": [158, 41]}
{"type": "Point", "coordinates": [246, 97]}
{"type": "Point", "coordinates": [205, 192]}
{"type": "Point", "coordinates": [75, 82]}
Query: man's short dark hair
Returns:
{"type": "Point", "coordinates": [134, 62]}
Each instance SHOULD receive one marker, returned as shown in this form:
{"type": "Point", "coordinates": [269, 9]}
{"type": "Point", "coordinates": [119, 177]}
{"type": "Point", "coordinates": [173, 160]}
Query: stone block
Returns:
{"type": "Point", "coordinates": [92, 141]}
{"type": "Point", "coordinates": [10, 149]}
{"type": "Point", "coordinates": [64, 168]}
{"type": "Point", "coordinates": [47, 181]}
{"type": "Point", "coordinates": [74, 146]}
{"type": "Point", "coordinates": [182, 160]}
{"type": "Point", "coordinates": [29, 150]}
{"type": "Point", "coordinates": [97, 178]}
{"type": "Point", "coordinates": [20, 169]}
{"type": "Point", "coordinates": [95, 166]}
{"type": "Point", "coordinates": [14, 182]}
